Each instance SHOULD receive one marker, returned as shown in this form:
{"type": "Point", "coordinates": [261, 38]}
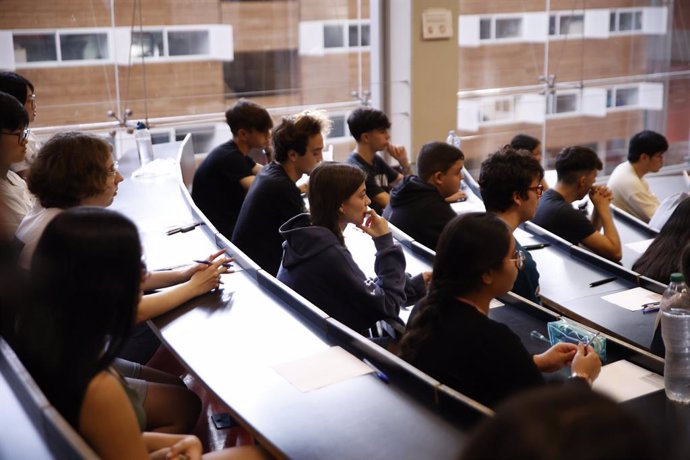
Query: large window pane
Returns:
{"type": "Point", "coordinates": [333, 36]}
{"type": "Point", "coordinates": [262, 72]}
{"type": "Point", "coordinates": [572, 24]}
{"type": "Point", "coordinates": [34, 48]}
{"type": "Point", "coordinates": [508, 28]}
{"type": "Point", "coordinates": [186, 43]}
{"type": "Point", "coordinates": [74, 47]}
{"type": "Point", "coordinates": [147, 44]}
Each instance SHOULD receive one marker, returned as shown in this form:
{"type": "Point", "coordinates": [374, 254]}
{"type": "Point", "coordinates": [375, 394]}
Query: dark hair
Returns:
{"type": "Point", "coordinates": [249, 116]}
{"type": "Point", "coordinates": [504, 173]}
{"type": "Point", "coordinates": [648, 142]}
{"type": "Point", "coordinates": [662, 256]}
{"type": "Point", "coordinates": [79, 317]}
{"type": "Point", "coordinates": [436, 156]}
{"type": "Point", "coordinates": [524, 142]}
{"type": "Point", "coordinates": [69, 167]}
{"type": "Point", "coordinates": [293, 132]}
{"type": "Point", "coordinates": [15, 85]}
{"type": "Point", "coordinates": [573, 162]}
{"type": "Point", "coordinates": [13, 116]}
{"type": "Point", "coordinates": [685, 262]}
{"type": "Point", "coordinates": [331, 184]}
{"type": "Point", "coordinates": [559, 423]}
{"type": "Point", "coordinates": [365, 119]}
{"type": "Point", "coordinates": [469, 246]}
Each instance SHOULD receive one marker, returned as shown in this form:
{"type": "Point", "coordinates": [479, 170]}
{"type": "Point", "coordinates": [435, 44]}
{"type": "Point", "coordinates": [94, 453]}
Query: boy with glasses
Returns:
{"type": "Point", "coordinates": [631, 192]}
{"type": "Point", "coordinates": [510, 181]}
{"type": "Point", "coordinates": [23, 90]}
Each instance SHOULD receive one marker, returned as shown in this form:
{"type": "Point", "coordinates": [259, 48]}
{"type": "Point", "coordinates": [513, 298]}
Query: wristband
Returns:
{"type": "Point", "coordinates": [579, 375]}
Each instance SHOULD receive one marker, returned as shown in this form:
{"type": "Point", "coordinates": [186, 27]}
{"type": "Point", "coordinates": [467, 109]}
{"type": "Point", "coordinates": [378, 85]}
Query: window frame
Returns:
{"type": "Point", "coordinates": [59, 61]}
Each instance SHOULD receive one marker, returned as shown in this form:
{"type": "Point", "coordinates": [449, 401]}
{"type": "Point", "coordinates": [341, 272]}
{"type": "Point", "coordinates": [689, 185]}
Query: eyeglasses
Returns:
{"type": "Point", "coordinates": [519, 259]}
{"type": "Point", "coordinates": [538, 189]}
{"type": "Point", "coordinates": [23, 136]}
{"type": "Point", "coordinates": [32, 100]}
{"type": "Point", "coordinates": [114, 169]}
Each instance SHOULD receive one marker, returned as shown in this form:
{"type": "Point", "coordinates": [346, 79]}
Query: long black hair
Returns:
{"type": "Point", "coordinates": [469, 246]}
{"type": "Point", "coordinates": [86, 275]}
{"type": "Point", "coordinates": [662, 257]}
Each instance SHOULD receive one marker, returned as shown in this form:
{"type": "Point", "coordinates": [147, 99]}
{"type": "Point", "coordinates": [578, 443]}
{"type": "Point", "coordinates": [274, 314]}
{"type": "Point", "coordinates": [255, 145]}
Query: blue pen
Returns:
{"type": "Point", "coordinates": [383, 377]}
{"type": "Point", "coordinates": [650, 307]}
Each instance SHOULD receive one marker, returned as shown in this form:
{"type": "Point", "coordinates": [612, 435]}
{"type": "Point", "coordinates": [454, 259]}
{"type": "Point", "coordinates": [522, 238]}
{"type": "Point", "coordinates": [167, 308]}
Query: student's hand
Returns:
{"type": "Point", "coordinates": [586, 363]}
{"type": "Point", "coordinates": [426, 276]}
{"type": "Point", "coordinates": [398, 152]}
{"type": "Point", "coordinates": [208, 277]}
{"type": "Point", "coordinates": [457, 196]}
{"type": "Point", "coordinates": [304, 187]}
{"type": "Point", "coordinates": [374, 225]}
{"type": "Point", "coordinates": [188, 448]}
{"type": "Point", "coordinates": [600, 198]}
{"type": "Point", "coordinates": [555, 357]}
{"type": "Point", "coordinates": [186, 273]}
{"type": "Point", "coordinates": [604, 191]}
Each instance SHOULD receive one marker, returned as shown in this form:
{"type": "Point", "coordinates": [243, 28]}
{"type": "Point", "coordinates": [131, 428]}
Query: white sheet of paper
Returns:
{"type": "Point", "coordinates": [640, 246]}
{"type": "Point", "coordinates": [321, 369]}
{"type": "Point", "coordinates": [633, 299]}
{"type": "Point", "coordinates": [495, 303]}
{"type": "Point", "coordinates": [624, 380]}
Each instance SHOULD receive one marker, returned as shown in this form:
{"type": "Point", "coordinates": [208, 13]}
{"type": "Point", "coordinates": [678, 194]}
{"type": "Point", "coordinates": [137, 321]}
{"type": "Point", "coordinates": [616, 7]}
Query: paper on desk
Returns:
{"type": "Point", "coordinates": [495, 303]}
{"type": "Point", "coordinates": [633, 299]}
{"type": "Point", "coordinates": [624, 380]}
{"type": "Point", "coordinates": [322, 369]}
{"type": "Point", "coordinates": [640, 246]}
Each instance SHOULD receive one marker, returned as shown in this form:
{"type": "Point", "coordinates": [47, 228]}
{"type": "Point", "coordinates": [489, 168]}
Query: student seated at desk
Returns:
{"type": "Point", "coordinates": [23, 90]}
{"type": "Point", "coordinates": [14, 130]}
{"type": "Point", "coordinates": [318, 266]}
{"type": "Point", "coordinates": [511, 184]}
{"type": "Point", "coordinates": [371, 129]}
{"type": "Point", "coordinates": [450, 336]}
{"type": "Point", "coordinates": [420, 205]}
{"type": "Point", "coordinates": [74, 369]}
{"type": "Point", "coordinates": [533, 146]}
{"type": "Point", "coordinates": [631, 192]}
{"type": "Point", "coordinates": [577, 168]}
{"type": "Point", "coordinates": [662, 257]}
{"type": "Point", "coordinates": [274, 197]}
{"type": "Point", "coordinates": [222, 180]}
{"type": "Point", "coordinates": [560, 423]}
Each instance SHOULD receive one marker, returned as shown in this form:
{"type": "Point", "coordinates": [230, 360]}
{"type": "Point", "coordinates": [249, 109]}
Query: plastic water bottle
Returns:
{"type": "Point", "coordinates": [675, 331]}
{"type": "Point", "coordinates": [144, 144]}
{"type": "Point", "coordinates": [453, 139]}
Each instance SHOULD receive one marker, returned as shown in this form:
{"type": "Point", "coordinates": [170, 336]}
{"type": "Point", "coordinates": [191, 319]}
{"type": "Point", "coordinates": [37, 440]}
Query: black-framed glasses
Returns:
{"type": "Point", "coordinates": [519, 259]}
{"type": "Point", "coordinates": [538, 189]}
{"type": "Point", "coordinates": [22, 137]}
{"type": "Point", "coordinates": [114, 169]}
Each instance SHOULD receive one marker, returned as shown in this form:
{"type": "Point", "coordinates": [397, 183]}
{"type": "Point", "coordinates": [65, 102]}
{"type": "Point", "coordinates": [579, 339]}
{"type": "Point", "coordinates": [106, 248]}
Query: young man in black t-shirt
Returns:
{"type": "Point", "coordinates": [577, 168]}
{"type": "Point", "coordinates": [371, 129]}
{"type": "Point", "coordinates": [223, 178]}
{"type": "Point", "coordinates": [274, 198]}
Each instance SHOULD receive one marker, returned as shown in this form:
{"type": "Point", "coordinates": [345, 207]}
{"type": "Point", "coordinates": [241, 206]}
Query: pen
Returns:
{"type": "Point", "coordinates": [650, 307]}
{"type": "Point", "coordinates": [591, 339]}
{"type": "Point", "coordinates": [532, 247]}
{"type": "Point", "coordinates": [183, 229]}
{"type": "Point", "coordinates": [539, 336]}
{"type": "Point", "coordinates": [206, 262]}
{"type": "Point", "coordinates": [600, 282]}
{"type": "Point", "coordinates": [383, 377]}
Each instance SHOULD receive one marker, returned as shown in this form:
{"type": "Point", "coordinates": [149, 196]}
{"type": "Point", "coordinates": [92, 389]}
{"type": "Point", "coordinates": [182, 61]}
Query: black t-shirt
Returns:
{"type": "Point", "coordinates": [559, 217]}
{"type": "Point", "coordinates": [379, 176]}
{"type": "Point", "coordinates": [217, 190]}
{"type": "Point", "coordinates": [475, 355]}
{"type": "Point", "coordinates": [272, 200]}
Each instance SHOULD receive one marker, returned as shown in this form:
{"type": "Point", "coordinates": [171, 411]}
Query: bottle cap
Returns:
{"type": "Point", "coordinates": [141, 125]}
{"type": "Point", "coordinates": [677, 278]}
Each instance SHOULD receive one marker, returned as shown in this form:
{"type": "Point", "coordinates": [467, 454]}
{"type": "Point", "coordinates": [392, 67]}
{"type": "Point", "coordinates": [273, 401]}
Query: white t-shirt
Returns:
{"type": "Point", "coordinates": [31, 229]}
{"type": "Point", "coordinates": [17, 202]}
{"type": "Point", "coordinates": [631, 193]}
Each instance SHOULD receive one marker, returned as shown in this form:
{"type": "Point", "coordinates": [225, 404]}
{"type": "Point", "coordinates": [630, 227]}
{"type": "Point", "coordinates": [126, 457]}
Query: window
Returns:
{"type": "Point", "coordinates": [358, 35]}
{"type": "Point", "coordinates": [563, 24]}
{"type": "Point", "coordinates": [627, 96]}
{"type": "Point", "coordinates": [147, 44]}
{"type": "Point", "coordinates": [625, 21]}
{"type": "Point", "coordinates": [508, 28]}
{"type": "Point", "coordinates": [333, 36]}
{"type": "Point", "coordinates": [262, 72]}
{"type": "Point", "coordinates": [35, 48]}
{"type": "Point", "coordinates": [82, 47]}
{"type": "Point", "coordinates": [188, 43]}
{"type": "Point", "coordinates": [496, 109]}
{"type": "Point", "coordinates": [485, 29]}
{"type": "Point", "coordinates": [562, 103]}
{"type": "Point", "coordinates": [338, 127]}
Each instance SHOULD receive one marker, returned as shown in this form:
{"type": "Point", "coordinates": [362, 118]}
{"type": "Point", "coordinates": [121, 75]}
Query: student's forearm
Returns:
{"type": "Point", "coordinates": [156, 304]}
{"type": "Point", "coordinates": [156, 441]}
{"type": "Point", "coordinates": [610, 230]}
{"type": "Point", "coordinates": [161, 279]}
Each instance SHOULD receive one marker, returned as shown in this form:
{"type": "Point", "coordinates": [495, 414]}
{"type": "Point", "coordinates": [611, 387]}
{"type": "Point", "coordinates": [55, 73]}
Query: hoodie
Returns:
{"type": "Point", "coordinates": [321, 269]}
{"type": "Point", "coordinates": [419, 210]}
